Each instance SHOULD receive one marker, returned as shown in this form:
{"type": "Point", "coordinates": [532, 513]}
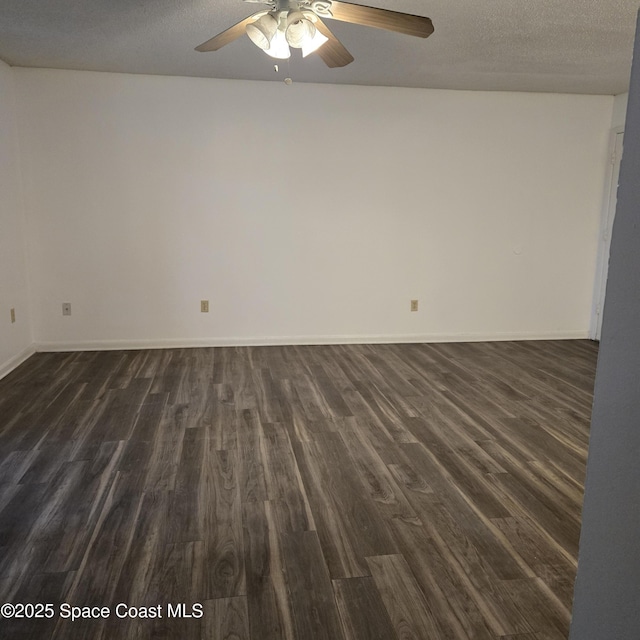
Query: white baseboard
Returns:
{"type": "Point", "coordinates": [7, 367]}
{"type": "Point", "coordinates": [179, 343]}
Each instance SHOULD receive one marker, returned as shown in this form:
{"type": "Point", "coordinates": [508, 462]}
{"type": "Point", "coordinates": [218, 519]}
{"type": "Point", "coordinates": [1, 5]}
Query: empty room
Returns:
{"type": "Point", "coordinates": [319, 320]}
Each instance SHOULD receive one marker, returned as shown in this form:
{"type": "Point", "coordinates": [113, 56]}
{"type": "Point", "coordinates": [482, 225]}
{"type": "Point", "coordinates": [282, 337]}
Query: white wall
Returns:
{"type": "Point", "coordinates": [307, 213]}
{"type": "Point", "coordinates": [611, 173]}
{"type": "Point", "coordinates": [15, 339]}
{"type": "Point", "coordinates": [619, 110]}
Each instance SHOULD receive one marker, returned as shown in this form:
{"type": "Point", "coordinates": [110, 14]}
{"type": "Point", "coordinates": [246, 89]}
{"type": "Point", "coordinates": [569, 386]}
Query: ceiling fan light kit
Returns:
{"type": "Point", "coordinates": [299, 24]}
{"type": "Point", "coordinates": [279, 47]}
{"type": "Point", "coordinates": [261, 31]}
{"type": "Point", "coordinates": [274, 32]}
{"type": "Point", "coordinates": [312, 45]}
{"type": "Point", "coordinates": [299, 29]}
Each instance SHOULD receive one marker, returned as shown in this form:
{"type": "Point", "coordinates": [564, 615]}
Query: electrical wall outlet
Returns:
{"type": "Point", "coordinates": [13, 315]}
{"type": "Point", "coordinates": [204, 306]}
{"type": "Point", "coordinates": [66, 308]}
{"type": "Point", "coordinates": [414, 305]}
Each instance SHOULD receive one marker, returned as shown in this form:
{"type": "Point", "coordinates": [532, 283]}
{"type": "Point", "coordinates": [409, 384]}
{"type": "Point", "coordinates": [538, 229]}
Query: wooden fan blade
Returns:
{"type": "Point", "coordinates": [333, 53]}
{"type": "Point", "coordinates": [231, 34]}
{"type": "Point", "coordinates": [382, 19]}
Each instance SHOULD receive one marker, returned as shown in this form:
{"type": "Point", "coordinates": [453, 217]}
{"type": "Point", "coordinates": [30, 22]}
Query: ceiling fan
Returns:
{"type": "Point", "coordinates": [299, 24]}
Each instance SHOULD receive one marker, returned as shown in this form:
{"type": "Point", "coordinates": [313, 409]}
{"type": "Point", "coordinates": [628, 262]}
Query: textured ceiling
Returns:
{"type": "Point", "coordinates": [572, 46]}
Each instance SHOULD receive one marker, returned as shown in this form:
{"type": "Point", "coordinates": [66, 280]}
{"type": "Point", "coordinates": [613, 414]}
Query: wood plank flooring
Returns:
{"type": "Point", "coordinates": [360, 492]}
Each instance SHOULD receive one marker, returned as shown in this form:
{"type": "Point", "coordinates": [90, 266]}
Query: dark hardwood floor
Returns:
{"type": "Point", "coordinates": [378, 492]}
